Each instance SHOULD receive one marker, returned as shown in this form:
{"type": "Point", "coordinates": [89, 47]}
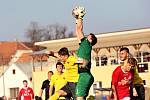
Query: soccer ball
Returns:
{"type": "Point", "coordinates": [78, 12]}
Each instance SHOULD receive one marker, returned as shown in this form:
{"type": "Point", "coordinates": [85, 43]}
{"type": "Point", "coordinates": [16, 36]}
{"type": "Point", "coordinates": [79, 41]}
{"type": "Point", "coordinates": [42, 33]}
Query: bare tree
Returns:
{"type": "Point", "coordinates": [35, 33]}
{"type": "Point", "coordinates": [71, 34]}
{"type": "Point", "coordinates": [56, 31]}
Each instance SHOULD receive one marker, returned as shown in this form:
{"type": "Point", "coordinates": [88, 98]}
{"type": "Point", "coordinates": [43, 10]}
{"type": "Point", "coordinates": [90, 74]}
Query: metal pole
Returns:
{"type": "Point", "coordinates": [3, 76]}
{"type": "Point", "coordinates": [3, 81]}
{"type": "Point", "coordinates": [117, 57]}
{"type": "Point", "coordinates": [41, 61]}
{"type": "Point", "coordinates": [33, 63]}
{"type": "Point", "coordinates": [142, 57]}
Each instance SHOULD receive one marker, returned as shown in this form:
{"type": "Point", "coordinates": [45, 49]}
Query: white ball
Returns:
{"type": "Point", "coordinates": [78, 12]}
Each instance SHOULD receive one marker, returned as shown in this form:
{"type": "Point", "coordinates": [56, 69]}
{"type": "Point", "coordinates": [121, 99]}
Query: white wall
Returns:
{"type": "Point", "coordinates": [12, 80]}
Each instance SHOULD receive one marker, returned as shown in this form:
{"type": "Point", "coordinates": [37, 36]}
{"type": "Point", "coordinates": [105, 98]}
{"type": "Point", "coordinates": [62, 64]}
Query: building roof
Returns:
{"type": "Point", "coordinates": [104, 40]}
{"type": "Point", "coordinates": [25, 57]}
{"type": "Point", "coordinates": [28, 57]}
{"type": "Point", "coordinates": [8, 49]}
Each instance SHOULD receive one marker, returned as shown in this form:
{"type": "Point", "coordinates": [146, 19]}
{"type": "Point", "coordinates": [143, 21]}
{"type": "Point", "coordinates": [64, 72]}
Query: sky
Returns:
{"type": "Point", "coordinates": [102, 16]}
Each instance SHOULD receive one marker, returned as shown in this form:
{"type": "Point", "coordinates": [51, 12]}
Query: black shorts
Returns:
{"type": "Point", "coordinates": [70, 88]}
{"type": "Point", "coordinates": [140, 91]}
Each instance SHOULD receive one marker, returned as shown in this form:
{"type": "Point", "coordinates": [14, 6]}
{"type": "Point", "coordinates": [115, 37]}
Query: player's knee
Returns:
{"type": "Point", "coordinates": [61, 93]}
{"type": "Point", "coordinates": [80, 98]}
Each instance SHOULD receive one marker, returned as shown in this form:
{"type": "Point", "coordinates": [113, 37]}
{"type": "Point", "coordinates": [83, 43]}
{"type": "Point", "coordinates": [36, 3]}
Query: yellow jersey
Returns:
{"type": "Point", "coordinates": [136, 78]}
{"type": "Point", "coordinates": [71, 69]}
{"type": "Point", "coordinates": [58, 81]}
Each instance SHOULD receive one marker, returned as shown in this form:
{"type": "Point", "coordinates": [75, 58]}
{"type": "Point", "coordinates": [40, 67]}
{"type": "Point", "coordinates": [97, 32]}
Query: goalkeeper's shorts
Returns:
{"type": "Point", "coordinates": [85, 81]}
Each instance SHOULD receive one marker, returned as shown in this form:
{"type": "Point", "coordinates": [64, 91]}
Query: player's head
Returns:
{"type": "Point", "coordinates": [50, 73]}
{"type": "Point", "coordinates": [25, 83]}
{"type": "Point", "coordinates": [124, 53]}
{"type": "Point", "coordinates": [132, 62]}
{"type": "Point", "coordinates": [59, 66]}
{"type": "Point", "coordinates": [63, 54]}
{"type": "Point", "coordinates": [92, 39]}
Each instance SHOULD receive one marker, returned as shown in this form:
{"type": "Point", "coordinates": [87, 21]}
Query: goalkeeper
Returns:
{"type": "Point", "coordinates": [86, 79]}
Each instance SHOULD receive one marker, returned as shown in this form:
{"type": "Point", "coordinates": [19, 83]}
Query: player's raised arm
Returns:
{"type": "Point", "coordinates": [79, 13]}
{"type": "Point", "coordinates": [79, 29]}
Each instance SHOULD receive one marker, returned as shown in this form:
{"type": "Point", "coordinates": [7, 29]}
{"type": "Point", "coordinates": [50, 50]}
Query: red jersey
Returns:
{"type": "Point", "coordinates": [27, 94]}
{"type": "Point", "coordinates": [117, 76]}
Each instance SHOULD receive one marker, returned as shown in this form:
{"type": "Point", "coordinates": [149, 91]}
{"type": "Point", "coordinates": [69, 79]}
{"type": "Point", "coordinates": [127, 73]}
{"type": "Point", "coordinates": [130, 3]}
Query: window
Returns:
{"type": "Point", "coordinates": [146, 56]}
{"type": "Point", "coordinates": [104, 60]}
{"type": "Point", "coordinates": [143, 56]}
{"type": "Point", "coordinates": [14, 93]}
{"type": "Point", "coordinates": [97, 61]}
{"type": "Point", "coordinates": [113, 60]}
{"type": "Point", "coordinates": [138, 56]}
{"type": "Point", "coordinates": [14, 71]}
{"type": "Point", "coordinates": [143, 67]}
{"type": "Point", "coordinates": [101, 61]}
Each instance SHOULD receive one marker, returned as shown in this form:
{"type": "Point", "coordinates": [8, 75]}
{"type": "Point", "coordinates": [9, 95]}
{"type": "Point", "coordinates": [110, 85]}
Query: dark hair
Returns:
{"type": "Point", "coordinates": [94, 39]}
{"type": "Point", "coordinates": [59, 63]}
{"type": "Point", "coordinates": [124, 48]}
{"type": "Point", "coordinates": [132, 61]}
{"type": "Point", "coordinates": [25, 81]}
{"type": "Point", "coordinates": [63, 51]}
{"type": "Point", "coordinates": [50, 72]}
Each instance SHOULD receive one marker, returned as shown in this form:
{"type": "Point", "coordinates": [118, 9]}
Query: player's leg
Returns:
{"type": "Point", "coordinates": [84, 83]}
{"type": "Point", "coordinates": [72, 88]}
{"type": "Point", "coordinates": [91, 81]}
{"type": "Point", "coordinates": [141, 91]}
{"type": "Point", "coordinates": [67, 88]}
{"type": "Point", "coordinates": [56, 95]}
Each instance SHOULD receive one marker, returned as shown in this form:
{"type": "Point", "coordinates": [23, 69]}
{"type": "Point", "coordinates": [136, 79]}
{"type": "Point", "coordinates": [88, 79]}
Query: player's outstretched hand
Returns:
{"type": "Point", "coordinates": [51, 53]}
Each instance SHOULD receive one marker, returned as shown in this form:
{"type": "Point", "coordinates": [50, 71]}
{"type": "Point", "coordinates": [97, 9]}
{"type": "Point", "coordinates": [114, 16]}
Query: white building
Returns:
{"type": "Point", "coordinates": [12, 79]}
{"type": "Point", "coordinates": [12, 71]}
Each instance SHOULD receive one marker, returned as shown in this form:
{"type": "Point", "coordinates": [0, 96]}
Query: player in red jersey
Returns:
{"type": "Point", "coordinates": [26, 93]}
{"type": "Point", "coordinates": [121, 80]}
